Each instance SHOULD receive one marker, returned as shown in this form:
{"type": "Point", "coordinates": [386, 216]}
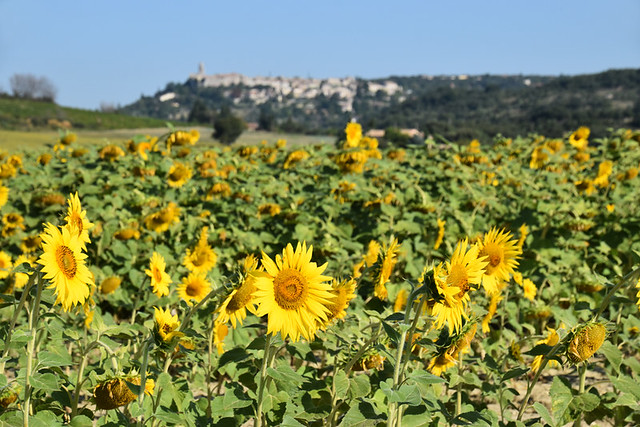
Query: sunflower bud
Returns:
{"type": "Point", "coordinates": [113, 393]}
{"type": "Point", "coordinates": [585, 342]}
{"type": "Point", "coordinates": [8, 395]}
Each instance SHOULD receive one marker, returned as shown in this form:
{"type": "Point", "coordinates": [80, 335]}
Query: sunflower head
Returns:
{"type": "Point", "coordinates": [166, 326]}
{"type": "Point", "coordinates": [203, 258]}
{"type": "Point", "coordinates": [293, 293]}
{"type": "Point", "coordinates": [585, 341]}
{"type": "Point", "coordinates": [76, 218]}
{"type": "Point", "coordinates": [501, 251]}
{"type": "Point", "coordinates": [194, 287]}
{"type": "Point", "coordinates": [344, 292]}
{"type": "Point", "coordinates": [115, 392]}
{"type": "Point", "coordinates": [110, 284]}
{"type": "Point", "coordinates": [63, 263]}
{"type": "Point", "coordinates": [179, 174]}
{"type": "Point", "coordinates": [160, 280]}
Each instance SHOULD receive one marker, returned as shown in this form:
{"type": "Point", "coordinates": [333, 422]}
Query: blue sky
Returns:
{"type": "Point", "coordinates": [114, 51]}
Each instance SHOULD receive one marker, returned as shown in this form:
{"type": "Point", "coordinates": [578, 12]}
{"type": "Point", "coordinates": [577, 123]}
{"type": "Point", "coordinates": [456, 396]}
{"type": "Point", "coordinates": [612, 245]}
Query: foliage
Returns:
{"type": "Point", "coordinates": [227, 127]}
{"type": "Point", "coordinates": [569, 202]}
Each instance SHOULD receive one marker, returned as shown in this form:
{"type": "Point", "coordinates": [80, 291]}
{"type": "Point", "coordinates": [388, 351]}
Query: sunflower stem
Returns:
{"type": "Point", "coordinates": [196, 307]}
{"type": "Point", "coordinates": [263, 379]}
{"type": "Point", "coordinates": [33, 324]}
{"type": "Point", "coordinates": [583, 375]}
{"type": "Point", "coordinates": [543, 364]}
{"type": "Point", "coordinates": [14, 319]}
{"type": "Point", "coordinates": [143, 374]}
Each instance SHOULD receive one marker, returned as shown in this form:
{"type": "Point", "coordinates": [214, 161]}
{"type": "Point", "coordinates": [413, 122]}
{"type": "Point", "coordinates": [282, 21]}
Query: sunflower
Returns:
{"type": "Point", "coordinates": [464, 269]}
{"type": "Point", "coordinates": [386, 262]}
{"type": "Point", "coordinates": [293, 292]}
{"type": "Point", "coordinates": [115, 392]}
{"type": "Point", "coordinates": [5, 265]}
{"type": "Point", "coordinates": [194, 287]}
{"type": "Point", "coordinates": [160, 280]}
{"type": "Point", "coordinates": [344, 292]}
{"type": "Point", "coordinates": [401, 300]}
{"type": "Point", "coordinates": [585, 341]}
{"type": "Point", "coordinates": [110, 284]}
{"type": "Point", "coordinates": [4, 195]}
{"type": "Point", "coordinates": [440, 237]}
{"type": "Point", "coordinates": [491, 311]}
{"type": "Point", "coordinates": [638, 294]}
{"type": "Point", "coordinates": [530, 289]}
{"type": "Point", "coordinates": [502, 252]}
{"type": "Point", "coordinates": [551, 340]}
{"type": "Point", "coordinates": [202, 258]}
{"type": "Point", "coordinates": [21, 279]}
{"type": "Point", "coordinates": [579, 138]}
{"type": "Point", "coordinates": [220, 331]}
{"type": "Point", "coordinates": [30, 244]}
{"type": "Point", "coordinates": [63, 263]}
{"type": "Point", "coordinates": [161, 220]}
{"type": "Point", "coordinates": [77, 219]}
{"type": "Point", "coordinates": [166, 325]}
{"type": "Point", "coordinates": [353, 132]}
{"type": "Point", "coordinates": [111, 152]}
{"type": "Point", "coordinates": [179, 174]}
{"type": "Point", "coordinates": [448, 355]}
{"type": "Point", "coordinates": [235, 306]}
{"type": "Point", "coordinates": [13, 220]}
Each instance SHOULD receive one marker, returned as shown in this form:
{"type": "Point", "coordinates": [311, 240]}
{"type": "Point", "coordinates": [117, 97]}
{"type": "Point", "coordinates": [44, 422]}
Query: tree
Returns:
{"type": "Point", "coordinates": [200, 113]}
{"type": "Point", "coordinates": [32, 87]}
{"type": "Point", "coordinates": [227, 127]}
{"type": "Point", "coordinates": [266, 120]}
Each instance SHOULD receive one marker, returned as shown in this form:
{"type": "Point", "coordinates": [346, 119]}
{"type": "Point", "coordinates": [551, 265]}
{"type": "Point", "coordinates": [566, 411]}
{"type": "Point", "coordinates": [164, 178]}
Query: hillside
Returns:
{"type": "Point", "coordinates": [24, 114]}
{"type": "Point", "coordinates": [456, 107]}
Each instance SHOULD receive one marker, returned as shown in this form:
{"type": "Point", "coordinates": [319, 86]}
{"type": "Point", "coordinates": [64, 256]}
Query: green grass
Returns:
{"type": "Point", "coordinates": [24, 114]}
{"type": "Point", "coordinates": [21, 140]}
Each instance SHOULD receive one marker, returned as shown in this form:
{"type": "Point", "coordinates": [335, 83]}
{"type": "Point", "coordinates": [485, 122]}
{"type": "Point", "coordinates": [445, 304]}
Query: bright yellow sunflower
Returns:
{"type": "Point", "coordinates": [166, 325]}
{"type": "Point", "coordinates": [4, 195]}
{"type": "Point", "coordinates": [161, 220]}
{"type": "Point", "coordinates": [5, 265]}
{"type": "Point", "coordinates": [344, 292]}
{"type": "Point", "coordinates": [235, 306]}
{"type": "Point", "coordinates": [386, 262]}
{"type": "Point", "coordinates": [77, 219]}
{"type": "Point", "coordinates": [179, 174]}
{"type": "Point", "coordinates": [448, 356]}
{"type": "Point", "coordinates": [353, 132]}
{"type": "Point", "coordinates": [160, 279]}
{"type": "Point", "coordinates": [63, 263]}
{"type": "Point", "coordinates": [464, 269]}
{"type": "Point", "coordinates": [220, 331]}
{"type": "Point", "coordinates": [551, 340]}
{"type": "Point", "coordinates": [293, 293]}
{"type": "Point", "coordinates": [502, 253]}
{"type": "Point", "coordinates": [203, 258]}
{"type": "Point", "coordinates": [194, 287]}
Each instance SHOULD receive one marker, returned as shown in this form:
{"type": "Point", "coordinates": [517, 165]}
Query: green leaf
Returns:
{"type": "Point", "coordinates": [627, 384]}
{"type": "Point", "coordinates": [47, 359]}
{"type": "Point", "coordinates": [359, 386]}
{"type": "Point", "coordinates": [285, 375]}
{"type": "Point", "coordinates": [44, 382]}
{"type": "Point", "coordinates": [561, 397]}
{"type": "Point", "coordinates": [612, 353]}
{"type": "Point", "coordinates": [514, 373]}
{"type": "Point", "coordinates": [81, 421]}
{"type": "Point", "coordinates": [544, 413]}
{"type": "Point", "coordinates": [391, 332]}
{"type": "Point", "coordinates": [44, 419]}
{"type": "Point", "coordinates": [586, 402]}
{"type": "Point", "coordinates": [341, 382]}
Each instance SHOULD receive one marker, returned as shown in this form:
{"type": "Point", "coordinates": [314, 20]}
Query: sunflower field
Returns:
{"type": "Point", "coordinates": [162, 282]}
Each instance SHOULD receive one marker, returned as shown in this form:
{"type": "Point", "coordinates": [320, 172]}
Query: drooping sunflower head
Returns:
{"type": "Point", "coordinates": [77, 221]}
{"type": "Point", "coordinates": [220, 332]}
{"type": "Point", "coordinates": [160, 280]}
{"type": "Point", "coordinates": [293, 292]}
{"type": "Point", "coordinates": [63, 263]}
{"type": "Point", "coordinates": [387, 260]}
{"type": "Point", "coordinates": [194, 287]}
{"type": "Point", "coordinates": [585, 341]}
{"type": "Point", "coordinates": [179, 174]}
{"type": "Point", "coordinates": [166, 326]}
{"type": "Point", "coordinates": [502, 252]}
{"type": "Point", "coordinates": [115, 392]}
{"type": "Point", "coordinates": [234, 307]}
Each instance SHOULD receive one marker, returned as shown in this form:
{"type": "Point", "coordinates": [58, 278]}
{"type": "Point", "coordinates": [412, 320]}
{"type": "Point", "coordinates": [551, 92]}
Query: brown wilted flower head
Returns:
{"type": "Point", "coordinates": [586, 340]}
{"type": "Point", "coordinates": [115, 392]}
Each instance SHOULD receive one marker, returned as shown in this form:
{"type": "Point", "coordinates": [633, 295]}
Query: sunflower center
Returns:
{"type": "Point", "coordinates": [200, 256]}
{"type": "Point", "coordinates": [494, 253]}
{"type": "Point", "coordinates": [241, 298]}
{"type": "Point", "coordinates": [290, 289]}
{"type": "Point", "coordinates": [178, 174]}
{"type": "Point", "coordinates": [166, 328]}
{"type": "Point", "coordinates": [192, 289]}
{"type": "Point", "coordinates": [458, 277]}
{"type": "Point", "coordinates": [66, 261]}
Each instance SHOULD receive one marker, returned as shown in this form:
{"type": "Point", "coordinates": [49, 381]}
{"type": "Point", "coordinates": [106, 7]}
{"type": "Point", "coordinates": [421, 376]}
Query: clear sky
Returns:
{"type": "Point", "coordinates": [113, 51]}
